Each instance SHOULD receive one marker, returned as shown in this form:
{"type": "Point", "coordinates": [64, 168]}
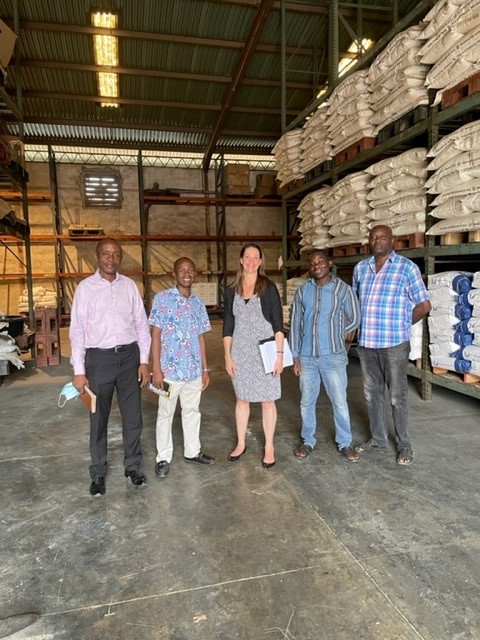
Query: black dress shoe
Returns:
{"type": "Point", "coordinates": [136, 478]}
{"type": "Point", "coordinates": [235, 458]}
{"type": "Point", "coordinates": [162, 468]}
{"type": "Point", "coordinates": [202, 458]}
{"type": "Point", "coordinates": [97, 488]}
{"type": "Point", "coordinates": [268, 465]}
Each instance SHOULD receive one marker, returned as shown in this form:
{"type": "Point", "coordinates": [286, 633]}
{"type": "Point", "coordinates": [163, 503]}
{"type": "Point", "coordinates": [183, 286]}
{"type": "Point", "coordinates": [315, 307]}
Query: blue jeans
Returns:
{"type": "Point", "coordinates": [386, 368]}
{"type": "Point", "coordinates": [332, 371]}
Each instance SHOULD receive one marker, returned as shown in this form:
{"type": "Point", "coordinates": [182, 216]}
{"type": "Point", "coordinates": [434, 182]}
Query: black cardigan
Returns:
{"type": "Point", "coordinates": [271, 309]}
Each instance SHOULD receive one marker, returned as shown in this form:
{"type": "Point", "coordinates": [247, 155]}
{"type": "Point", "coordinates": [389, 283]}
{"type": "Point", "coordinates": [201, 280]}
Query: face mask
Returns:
{"type": "Point", "coordinates": [69, 392]}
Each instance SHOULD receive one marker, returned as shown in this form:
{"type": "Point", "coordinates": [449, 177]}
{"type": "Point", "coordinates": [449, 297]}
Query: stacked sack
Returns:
{"type": "Point", "coordinates": [42, 298]}
{"type": "Point", "coordinates": [287, 157]}
{"type": "Point", "coordinates": [456, 181]}
{"type": "Point", "coordinates": [397, 192]}
{"type": "Point", "coordinates": [316, 145]}
{"type": "Point", "coordinates": [292, 285]}
{"type": "Point", "coordinates": [472, 352]}
{"type": "Point", "coordinates": [9, 352]}
{"type": "Point", "coordinates": [346, 211]}
{"type": "Point", "coordinates": [397, 79]}
{"type": "Point", "coordinates": [452, 42]}
{"type": "Point", "coordinates": [449, 320]}
{"type": "Point", "coordinates": [314, 233]}
{"type": "Point", "coordinates": [349, 112]}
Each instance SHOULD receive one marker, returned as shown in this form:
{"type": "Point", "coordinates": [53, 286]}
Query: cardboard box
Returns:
{"type": "Point", "coordinates": [265, 179]}
{"type": "Point", "coordinates": [237, 179]}
{"type": "Point", "coordinates": [263, 192]}
{"type": "Point", "coordinates": [7, 44]}
{"type": "Point", "coordinates": [236, 171]}
{"type": "Point", "coordinates": [207, 292]}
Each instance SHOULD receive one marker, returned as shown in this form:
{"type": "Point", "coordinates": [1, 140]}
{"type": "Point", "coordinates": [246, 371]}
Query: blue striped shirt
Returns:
{"type": "Point", "coordinates": [322, 315]}
{"type": "Point", "coordinates": [387, 299]}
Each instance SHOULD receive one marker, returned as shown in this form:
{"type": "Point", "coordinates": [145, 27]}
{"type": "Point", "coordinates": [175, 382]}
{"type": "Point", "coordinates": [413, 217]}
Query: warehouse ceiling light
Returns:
{"type": "Point", "coordinates": [106, 54]}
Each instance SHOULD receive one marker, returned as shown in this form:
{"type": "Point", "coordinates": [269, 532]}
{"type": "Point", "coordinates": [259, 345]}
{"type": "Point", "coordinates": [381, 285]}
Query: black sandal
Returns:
{"type": "Point", "coordinates": [405, 456]}
{"type": "Point", "coordinates": [303, 451]}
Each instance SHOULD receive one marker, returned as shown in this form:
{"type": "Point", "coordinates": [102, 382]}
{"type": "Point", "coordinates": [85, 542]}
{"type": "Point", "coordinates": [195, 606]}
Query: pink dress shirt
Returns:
{"type": "Point", "coordinates": [107, 314]}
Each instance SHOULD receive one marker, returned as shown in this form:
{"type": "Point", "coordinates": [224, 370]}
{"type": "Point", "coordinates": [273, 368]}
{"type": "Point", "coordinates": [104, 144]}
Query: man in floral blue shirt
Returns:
{"type": "Point", "coordinates": [179, 322]}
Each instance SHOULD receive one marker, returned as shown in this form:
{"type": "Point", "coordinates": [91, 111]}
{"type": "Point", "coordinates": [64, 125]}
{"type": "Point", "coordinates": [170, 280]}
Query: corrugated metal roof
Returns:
{"type": "Point", "coordinates": [177, 61]}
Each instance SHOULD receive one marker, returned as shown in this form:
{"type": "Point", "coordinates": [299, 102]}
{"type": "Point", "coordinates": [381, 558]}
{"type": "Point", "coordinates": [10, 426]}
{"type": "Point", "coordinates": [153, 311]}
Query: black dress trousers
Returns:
{"type": "Point", "coordinates": [108, 370]}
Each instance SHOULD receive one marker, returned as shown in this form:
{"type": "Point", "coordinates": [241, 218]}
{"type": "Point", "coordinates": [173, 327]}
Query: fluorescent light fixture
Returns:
{"type": "Point", "coordinates": [106, 54]}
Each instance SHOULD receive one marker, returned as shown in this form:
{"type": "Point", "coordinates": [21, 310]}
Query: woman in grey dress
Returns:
{"type": "Point", "coordinates": [253, 312]}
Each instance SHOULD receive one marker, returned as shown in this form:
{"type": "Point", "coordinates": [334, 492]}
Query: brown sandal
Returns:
{"type": "Point", "coordinates": [350, 454]}
{"type": "Point", "coordinates": [303, 451]}
{"type": "Point", "coordinates": [405, 456]}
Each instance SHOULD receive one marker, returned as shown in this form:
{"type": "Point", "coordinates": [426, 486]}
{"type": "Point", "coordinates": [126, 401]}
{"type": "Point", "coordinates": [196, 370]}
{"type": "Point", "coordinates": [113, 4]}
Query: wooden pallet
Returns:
{"type": "Point", "coordinates": [461, 91]}
{"type": "Point", "coordinates": [350, 250]}
{"type": "Point", "coordinates": [410, 241]}
{"type": "Point", "coordinates": [467, 378]}
{"type": "Point", "coordinates": [460, 238]}
{"type": "Point", "coordinates": [291, 186]}
{"type": "Point", "coordinates": [323, 167]}
{"type": "Point", "coordinates": [354, 149]}
{"type": "Point", "coordinates": [403, 123]}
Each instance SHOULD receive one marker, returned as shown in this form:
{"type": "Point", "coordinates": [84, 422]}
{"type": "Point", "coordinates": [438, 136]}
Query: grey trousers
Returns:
{"type": "Point", "coordinates": [386, 368]}
{"type": "Point", "coordinates": [107, 371]}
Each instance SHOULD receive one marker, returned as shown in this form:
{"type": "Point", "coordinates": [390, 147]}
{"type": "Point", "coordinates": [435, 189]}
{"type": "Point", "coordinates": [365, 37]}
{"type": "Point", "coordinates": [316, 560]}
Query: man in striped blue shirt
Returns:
{"type": "Point", "coordinates": [392, 297]}
{"type": "Point", "coordinates": [324, 311]}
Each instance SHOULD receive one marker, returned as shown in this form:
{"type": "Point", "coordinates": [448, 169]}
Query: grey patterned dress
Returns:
{"type": "Point", "coordinates": [251, 383]}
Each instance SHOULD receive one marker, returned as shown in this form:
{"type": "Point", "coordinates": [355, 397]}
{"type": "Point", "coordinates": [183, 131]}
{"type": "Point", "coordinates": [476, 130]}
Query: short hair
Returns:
{"type": "Point", "coordinates": [179, 261]}
{"type": "Point", "coordinates": [107, 241]}
{"type": "Point", "coordinates": [323, 251]}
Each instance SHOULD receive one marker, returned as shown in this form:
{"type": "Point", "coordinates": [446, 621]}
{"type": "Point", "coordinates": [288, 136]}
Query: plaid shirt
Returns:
{"type": "Point", "coordinates": [387, 299]}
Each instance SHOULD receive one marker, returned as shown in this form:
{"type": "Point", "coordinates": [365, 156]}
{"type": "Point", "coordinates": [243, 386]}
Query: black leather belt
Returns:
{"type": "Point", "coordinates": [118, 349]}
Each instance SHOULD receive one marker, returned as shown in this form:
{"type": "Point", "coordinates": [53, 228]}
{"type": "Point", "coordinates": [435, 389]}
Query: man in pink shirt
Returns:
{"type": "Point", "coordinates": [110, 339]}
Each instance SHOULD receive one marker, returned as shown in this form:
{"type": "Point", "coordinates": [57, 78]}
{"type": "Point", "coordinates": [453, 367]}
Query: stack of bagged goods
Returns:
{"type": "Point", "coordinates": [287, 153]}
{"type": "Point", "coordinates": [456, 181]}
{"type": "Point", "coordinates": [397, 79]}
{"type": "Point", "coordinates": [449, 320]}
{"type": "Point", "coordinates": [316, 144]}
{"type": "Point", "coordinates": [346, 210]}
{"type": "Point", "coordinates": [397, 192]}
{"type": "Point", "coordinates": [9, 352]}
{"type": "Point", "coordinates": [314, 233]}
{"type": "Point", "coordinates": [349, 112]}
{"type": "Point", "coordinates": [472, 352]}
{"type": "Point", "coordinates": [292, 285]}
{"type": "Point", "coordinates": [42, 299]}
{"type": "Point", "coordinates": [452, 43]}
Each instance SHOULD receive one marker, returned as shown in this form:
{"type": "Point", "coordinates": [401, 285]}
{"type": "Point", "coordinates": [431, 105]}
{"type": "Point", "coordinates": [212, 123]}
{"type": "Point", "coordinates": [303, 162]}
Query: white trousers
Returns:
{"type": "Point", "coordinates": [189, 394]}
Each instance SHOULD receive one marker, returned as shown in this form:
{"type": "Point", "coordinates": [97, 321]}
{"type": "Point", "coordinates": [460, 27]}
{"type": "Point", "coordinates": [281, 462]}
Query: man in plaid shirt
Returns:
{"type": "Point", "coordinates": [392, 297]}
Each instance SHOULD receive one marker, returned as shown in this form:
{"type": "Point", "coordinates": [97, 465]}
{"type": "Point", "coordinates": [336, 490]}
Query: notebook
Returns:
{"type": "Point", "coordinates": [268, 351]}
{"type": "Point", "coordinates": [89, 399]}
{"type": "Point", "coordinates": [165, 391]}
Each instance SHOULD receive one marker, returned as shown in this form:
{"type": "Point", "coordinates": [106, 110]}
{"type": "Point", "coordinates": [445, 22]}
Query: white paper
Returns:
{"type": "Point", "coordinates": [268, 351]}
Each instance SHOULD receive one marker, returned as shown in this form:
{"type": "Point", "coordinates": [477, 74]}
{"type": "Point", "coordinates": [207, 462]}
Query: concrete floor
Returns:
{"type": "Point", "coordinates": [320, 549]}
